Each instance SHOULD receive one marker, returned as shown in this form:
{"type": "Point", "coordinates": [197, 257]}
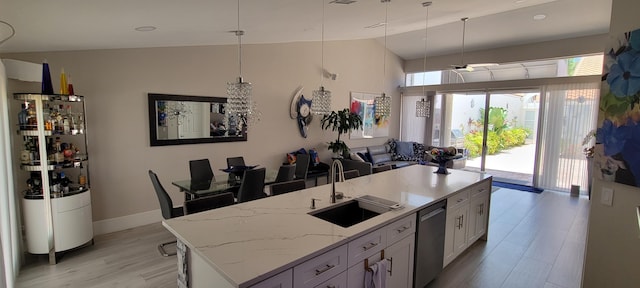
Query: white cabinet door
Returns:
{"type": "Point", "coordinates": [455, 239]}
{"type": "Point", "coordinates": [339, 281]}
{"type": "Point", "coordinates": [478, 216]}
{"type": "Point", "coordinates": [282, 280]}
{"type": "Point", "coordinates": [400, 256]}
{"type": "Point", "coordinates": [320, 268]}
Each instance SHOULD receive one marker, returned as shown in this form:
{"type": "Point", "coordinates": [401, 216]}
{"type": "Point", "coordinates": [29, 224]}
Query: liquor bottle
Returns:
{"type": "Point", "coordinates": [47, 86]}
{"type": "Point", "coordinates": [70, 86]}
{"type": "Point", "coordinates": [64, 182]}
{"type": "Point", "coordinates": [59, 158]}
{"type": "Point", "coordinates": [22, 117]}
{"type": "Point", "coordinates": [82, 179]}
{"type": "Point", "coordinates": [32, 120]}
{"type": "Point", "coordinates": [64, 89]}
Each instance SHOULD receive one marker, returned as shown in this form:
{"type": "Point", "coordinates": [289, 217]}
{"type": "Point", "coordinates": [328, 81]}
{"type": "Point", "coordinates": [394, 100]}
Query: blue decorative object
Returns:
{"type": "Point", "coordinates": [47, 87]}
{"type": "Point", "coordinates": [404, 148]}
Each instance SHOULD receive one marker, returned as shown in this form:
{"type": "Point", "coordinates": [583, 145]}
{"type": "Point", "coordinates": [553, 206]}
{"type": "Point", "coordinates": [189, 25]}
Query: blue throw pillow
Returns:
{"type": "Point", "coordinates": [404, 149]}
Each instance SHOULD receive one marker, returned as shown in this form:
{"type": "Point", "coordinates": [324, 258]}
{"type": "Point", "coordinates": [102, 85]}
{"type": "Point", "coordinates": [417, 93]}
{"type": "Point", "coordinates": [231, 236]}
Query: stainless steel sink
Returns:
{"type": "Point", "coordinates": [352, 212]}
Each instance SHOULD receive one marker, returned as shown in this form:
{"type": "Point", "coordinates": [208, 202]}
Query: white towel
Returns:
{"type": "Point", "coordinates": [376, 275]}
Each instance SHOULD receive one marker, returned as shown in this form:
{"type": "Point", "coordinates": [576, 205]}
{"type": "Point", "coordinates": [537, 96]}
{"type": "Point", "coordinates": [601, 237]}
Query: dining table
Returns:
{"type": "Point", "coordinates": [222, 181]}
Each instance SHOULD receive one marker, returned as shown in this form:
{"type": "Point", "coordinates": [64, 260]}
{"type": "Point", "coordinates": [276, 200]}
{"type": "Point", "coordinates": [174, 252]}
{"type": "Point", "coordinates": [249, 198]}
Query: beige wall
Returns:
{"type": "Point", "coordinates": [116, 82]}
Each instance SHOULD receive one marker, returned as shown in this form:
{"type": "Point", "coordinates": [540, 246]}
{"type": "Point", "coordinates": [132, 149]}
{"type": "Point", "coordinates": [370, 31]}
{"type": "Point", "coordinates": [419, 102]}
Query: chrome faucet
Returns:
{"type": "Point", "coordinates": [335, 164]}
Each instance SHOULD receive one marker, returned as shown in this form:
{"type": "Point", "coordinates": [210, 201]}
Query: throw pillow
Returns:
{"type": "Point", "coordinates": [354, 156]}
{"type": "Point", "coordinates": [404, 149]}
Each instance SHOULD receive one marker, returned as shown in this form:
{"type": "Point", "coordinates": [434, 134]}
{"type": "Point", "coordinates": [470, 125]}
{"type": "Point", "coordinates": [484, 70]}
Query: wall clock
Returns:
{"type": "Point", "coordinates": [301, 111]}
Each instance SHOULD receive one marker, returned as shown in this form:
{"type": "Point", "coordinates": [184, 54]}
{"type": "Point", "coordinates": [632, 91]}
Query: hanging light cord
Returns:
{"type": "Point", "coordinates": [384, 57]}
{"type": "Point", "coordinates": [13, 32]}
{"type": "Point", "coordinates": [424, 63]}
{"type": "Point", "coordinates": [239, 34]}
{"type": "Point", "coordinates": [464, 29]}
{"type": "Point", "coordinates": [322, 50]}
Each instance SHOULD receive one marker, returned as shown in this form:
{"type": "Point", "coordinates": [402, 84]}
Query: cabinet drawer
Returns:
{"type": "Point", "coordinates": [458, 199]}
{"type": "Point", "coordinates": [339, 281]}
{"type": "Point", "coordinates": [72, 202]}
{"type": "Point", "coordinates": [480, 190]}
{"type": "Point", "coordinates": [321, 268]}
{"type": "Point", "coordinates": [282, 280]}
{"type": "Point", "coordinates": [367, 245]}
{"type": "Point", "coordinates": [401, 228]}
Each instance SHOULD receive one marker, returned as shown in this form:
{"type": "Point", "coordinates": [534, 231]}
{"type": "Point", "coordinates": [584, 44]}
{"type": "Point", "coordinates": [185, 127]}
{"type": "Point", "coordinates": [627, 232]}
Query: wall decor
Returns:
{"type": "Point", "coordinates": [182, 119]}
{"type": "Point", "coordinates": [617, 149]}
{"type": "Point", "coordinates": [362, 103]}
{"type": "Point", "coordinates": [300, 110]}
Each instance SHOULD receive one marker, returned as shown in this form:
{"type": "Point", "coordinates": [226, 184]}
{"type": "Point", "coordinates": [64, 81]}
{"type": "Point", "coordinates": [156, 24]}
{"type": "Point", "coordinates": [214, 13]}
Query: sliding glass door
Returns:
{"type": "Point", "coordinates": [498, 130]}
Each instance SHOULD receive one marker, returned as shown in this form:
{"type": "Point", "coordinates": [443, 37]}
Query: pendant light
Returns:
{"type": "Point", "coordinates": [321, 103]}
{"type": "Point", "coordinates": [463, 65]}
{"type": "Point", "coordinates": [239, 101]}
{"type": "Point", "coordinates": [382, 103]}
{"type": "Point", "coordinates": [423, 106]}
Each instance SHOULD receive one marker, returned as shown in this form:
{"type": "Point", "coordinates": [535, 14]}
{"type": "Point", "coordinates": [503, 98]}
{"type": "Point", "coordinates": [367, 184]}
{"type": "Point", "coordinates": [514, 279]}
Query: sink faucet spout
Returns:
{"type": "Point", "coordinates": [336, 164]}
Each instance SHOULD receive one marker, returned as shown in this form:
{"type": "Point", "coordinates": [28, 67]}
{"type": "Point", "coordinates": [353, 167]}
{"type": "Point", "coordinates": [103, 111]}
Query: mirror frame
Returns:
{"type": "Point", "coordinates": [153, 120]}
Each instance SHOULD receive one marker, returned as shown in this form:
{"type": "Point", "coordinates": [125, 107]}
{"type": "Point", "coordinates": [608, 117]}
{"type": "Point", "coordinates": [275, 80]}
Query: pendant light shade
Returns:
{"type": "Point", "coordinates": [382, 103]}
{"type": "Point", "coordinates": [423, 107]}
{"type": "Point", "coordinates": [240, 104]}
{"type": "Point", "coordinates": [321, 103]}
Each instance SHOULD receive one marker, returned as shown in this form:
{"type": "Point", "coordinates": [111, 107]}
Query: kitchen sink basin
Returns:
{"type": "Point", "coordinates": [351, 212]}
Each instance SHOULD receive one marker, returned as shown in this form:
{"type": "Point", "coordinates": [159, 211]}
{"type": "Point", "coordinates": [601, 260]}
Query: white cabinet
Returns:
{"type": "Point", "coordinates": [397, 240]}
{"type": "Point", "coordinates": [467, 216]}
{"type": "Point", "coordinates": [321, 268]}
{"type": "Point", "coordinates": [400, 256]}
{"type": "Point", "coordinates": [56, 201]}
{"type": "Point", "coordinates": [478, 215]}
{"type": "Point", "coordinates": [339, 281]}
{"type": "Point", "coordinates": [282, 280]}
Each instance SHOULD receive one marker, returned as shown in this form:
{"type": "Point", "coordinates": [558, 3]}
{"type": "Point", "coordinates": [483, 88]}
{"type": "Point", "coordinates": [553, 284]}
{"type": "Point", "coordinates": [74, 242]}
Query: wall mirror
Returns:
{"type": "Point", "coordinates": [182, 119]}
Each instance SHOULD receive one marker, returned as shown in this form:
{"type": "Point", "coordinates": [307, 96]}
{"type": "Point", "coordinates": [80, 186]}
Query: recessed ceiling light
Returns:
{"type": "Point", "coordinates": [519, 1]}
{"type": "Point", "coordinates": [342, 1]}
{"type": "Point", "coordinates": [145, 28]}
{"type": "Point", "coordinates": [539, 17]}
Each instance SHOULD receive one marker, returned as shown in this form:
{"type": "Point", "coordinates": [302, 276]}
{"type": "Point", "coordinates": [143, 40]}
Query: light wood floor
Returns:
{"type": "Point", "coordinates": [535, 240]}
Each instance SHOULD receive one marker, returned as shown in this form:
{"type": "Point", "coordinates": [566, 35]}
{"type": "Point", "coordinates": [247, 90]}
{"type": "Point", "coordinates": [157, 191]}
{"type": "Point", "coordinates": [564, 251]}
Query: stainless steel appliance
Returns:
{"type": "Point", "coordinates": [429, 250]}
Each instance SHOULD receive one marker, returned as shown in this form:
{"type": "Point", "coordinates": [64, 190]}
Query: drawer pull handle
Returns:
{"type": "Point", "coordinates": [325, 269]}
{"type": "Point", "coordinates": [402, 229]}
{"type": "Point", "coordinates": [371, 245]}
{"type": "Point", "coordinates": [460, 200]}
{"type": "Point", "coordinates": [331, 286]}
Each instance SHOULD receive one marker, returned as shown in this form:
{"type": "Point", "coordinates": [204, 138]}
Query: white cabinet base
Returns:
{"type": "Point", "coordinates": [72, 222]}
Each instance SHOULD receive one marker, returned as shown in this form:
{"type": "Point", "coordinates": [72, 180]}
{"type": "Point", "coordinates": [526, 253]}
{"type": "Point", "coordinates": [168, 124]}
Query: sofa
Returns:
{"type": "Point", "coordinates": [399, 154]}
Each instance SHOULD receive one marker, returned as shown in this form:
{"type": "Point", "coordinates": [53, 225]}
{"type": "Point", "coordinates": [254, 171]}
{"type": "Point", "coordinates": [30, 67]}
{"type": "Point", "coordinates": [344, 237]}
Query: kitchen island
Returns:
{"type": "Point", "coordinates": [245, 244]}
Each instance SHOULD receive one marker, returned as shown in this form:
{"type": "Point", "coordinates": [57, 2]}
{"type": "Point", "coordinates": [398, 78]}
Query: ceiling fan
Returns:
{"type": "Point", "coordinates": [463, 65]}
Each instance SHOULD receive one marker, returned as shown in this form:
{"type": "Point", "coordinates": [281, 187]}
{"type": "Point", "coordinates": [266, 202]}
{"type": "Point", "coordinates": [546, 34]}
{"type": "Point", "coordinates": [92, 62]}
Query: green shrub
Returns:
{"type": "Point", "coordinates": [496, 142]}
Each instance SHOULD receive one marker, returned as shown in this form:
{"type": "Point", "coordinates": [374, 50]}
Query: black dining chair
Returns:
{"type": "Point", "coordinates": [302, 166]}
{"type": "Point", "coordinates": [289, 186]}
{"type": "Point", "coordinates": [252, 186]}
{"type": "Point", "coordinates": [201, 170]}
{"type": "Point", "coordinates": [166, 206]}
{"type": "Point", "coordinates": [235, 161]}
{"type": "Point", "coordinates": [208, 203]}
{"type": "Point", "coordinates": [351, 174]}
{"type": "Point", "coordinates": [285, 173]}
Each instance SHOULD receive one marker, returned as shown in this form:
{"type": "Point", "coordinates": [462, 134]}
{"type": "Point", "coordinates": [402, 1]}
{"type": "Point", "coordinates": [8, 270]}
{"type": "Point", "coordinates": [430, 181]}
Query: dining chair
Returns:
{"type": "Point", "coordinates": [201, 170]}
{"type": "Point", "coordinates": [235, 161]}
{"type": "Point", "coordinates": [288, 186]}
{"type": "Point", "coordinates": [302, 166]}
{"type": "Point", "coordinates": [166, 207]}
{"type": "Point", "coordinates": [252, 186]}
{"type": "Point", "coordinates": [351, 174]}
{"type": "Point", "coordinates": [208, 203]}
{"type": "Point", "coordinates": [285, 173]}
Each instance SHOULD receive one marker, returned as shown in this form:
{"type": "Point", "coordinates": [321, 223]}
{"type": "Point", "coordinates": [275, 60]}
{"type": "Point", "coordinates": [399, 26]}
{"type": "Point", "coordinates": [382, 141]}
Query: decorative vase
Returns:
{"type": "Point", "coordinates": [442, 165]}
{"type": "Point", "coordinates": [47, 86]}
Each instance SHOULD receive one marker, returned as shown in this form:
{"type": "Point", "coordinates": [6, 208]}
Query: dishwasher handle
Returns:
{"type": "Point", "coordinates": [432, 214]}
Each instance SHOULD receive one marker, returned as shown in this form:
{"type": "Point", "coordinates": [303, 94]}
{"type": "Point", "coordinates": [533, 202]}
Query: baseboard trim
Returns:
{"type": "Point", "coordinates": [126, 222]}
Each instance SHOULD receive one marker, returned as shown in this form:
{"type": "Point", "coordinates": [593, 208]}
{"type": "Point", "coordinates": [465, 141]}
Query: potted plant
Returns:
{"type": "Point", "coordinates": [342, 121]}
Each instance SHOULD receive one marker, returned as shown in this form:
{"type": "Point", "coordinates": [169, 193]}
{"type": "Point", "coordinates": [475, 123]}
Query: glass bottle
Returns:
{"type": "Point", "coordinates": [82, 179]}
{"type": "Point", "coordinates": [47, 86]}
{"type": "Point", "coordinates": [22, 117]}
{"type": "Point", "coordinates": [64, 89]}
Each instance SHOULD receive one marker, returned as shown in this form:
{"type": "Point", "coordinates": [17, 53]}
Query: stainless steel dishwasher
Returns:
{"type": "Point", "coordinates": [429, 250]}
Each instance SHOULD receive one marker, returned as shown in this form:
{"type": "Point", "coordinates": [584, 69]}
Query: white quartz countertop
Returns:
{"type": "Point", "coordinates": [249, 242]}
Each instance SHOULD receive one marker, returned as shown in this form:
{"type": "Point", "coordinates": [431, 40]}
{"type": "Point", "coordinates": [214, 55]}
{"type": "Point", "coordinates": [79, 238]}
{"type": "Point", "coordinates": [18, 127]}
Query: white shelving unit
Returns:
{"type": "Point", "coordinates": [56, 218]}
